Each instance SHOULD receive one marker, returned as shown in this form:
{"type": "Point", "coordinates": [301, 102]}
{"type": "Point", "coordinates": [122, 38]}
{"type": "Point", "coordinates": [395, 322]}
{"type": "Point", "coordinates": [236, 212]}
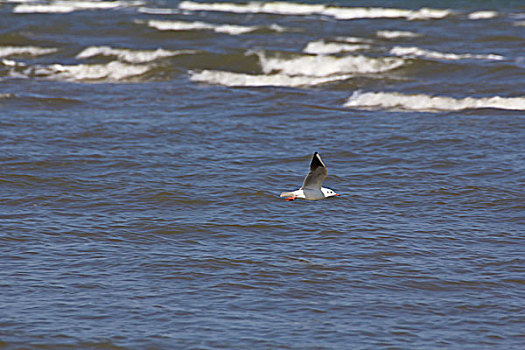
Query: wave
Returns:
{"type": "Point", "coordinates": [12, 63]}
{"type": "Point", "coordinates": [418, 52]}
{"type": "Point", "coordinates": [322, 66]}
{"type": "Point", "coordinates": [185, 26]}
{"type": "Point", "coordinates": [482, 15]}
{"type": "Point", "coordinates": [321, 47]}
{"type": "Point", "coordinates": [239, 79]}
{"type": "Point", "coordinates": [129, 55]}
{"type": "Point", "coordinates": [426, 103]}
{"type": "Point", "coordinates": [396, 34]}
{"type": "Point", "coordinates": [343, 13]}
{"type": "Point", "coordinates": [109, 72]}
{"type": "Point", "coordinates": [70, 6]}
{"type": "Point", "coordinates": [291, 8]}
{"type": "Point", "coordinates": [158, 11]}
{"type": "Point", "coordinates": [7, 51]}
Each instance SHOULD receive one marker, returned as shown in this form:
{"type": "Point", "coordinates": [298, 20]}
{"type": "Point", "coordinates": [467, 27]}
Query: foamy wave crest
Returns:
{"type": "Point", "coordinates": [418, 52]}
{"type": "Point", "coordinates": [324, 48]}
{"type": "Point", "coordinates": [130, 56]}
{"type": "Point", "coordinates": [239, 79]}
{"type": "Point", "coordinates": [158, 11]}
{"type": "Point", "coordinates": [109, 72]}
{"type": "Point", "coordinates": [282, 7]}
{"type": "Point", "coordinates": [426, 103]}
{"type": "Point", "coordinates": [6, 51]}
{"type": "Point", "coordinates": [483, 15]}
{"type": "Point", "coordinates": [291, 8]}
{"type": "Point", "coordinates": [377, 12]}
{"type": "Point", "coordinates": [396, 34]}
{"type": "Point", "coordinates": [11, 63]}
{"type": "Point", "coordinates": [183, 26]}
{"type": "Point", "coordinates": [69, 6]}
{"type": "Point", "coordinates": [323, 66]}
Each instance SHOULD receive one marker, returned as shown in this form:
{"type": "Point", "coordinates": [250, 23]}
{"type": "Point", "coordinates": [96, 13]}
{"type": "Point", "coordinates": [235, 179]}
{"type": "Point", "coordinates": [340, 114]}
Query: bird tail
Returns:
{"type": "Point", "coordinates": [287, 194]}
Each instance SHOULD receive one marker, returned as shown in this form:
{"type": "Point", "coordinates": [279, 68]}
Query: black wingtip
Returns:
{"type": "Point", "coordinates": [317, 161]}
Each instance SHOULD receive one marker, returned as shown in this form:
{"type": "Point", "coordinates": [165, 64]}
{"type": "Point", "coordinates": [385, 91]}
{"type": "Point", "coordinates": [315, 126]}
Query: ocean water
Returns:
{"type": "Point", "coordinates": [144, 145]}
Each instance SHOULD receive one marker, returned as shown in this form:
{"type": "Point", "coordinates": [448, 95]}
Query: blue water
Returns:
{"type": "Point", "coordinates": [140, 173]}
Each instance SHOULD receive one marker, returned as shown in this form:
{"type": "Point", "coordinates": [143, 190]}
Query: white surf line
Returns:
{"type": "Point", "coordinates": [70, 6]}
{"type": "Point", "coordinates": [396, 34]}
{"type": "Point", "coordinates": [112, 71]}
{"type": "Point", "coordinates": [6, 51]}
{"type": "Point", "coordinates": [482, 15]}
{"type": "Point", "coordinates": [325, 65]}
{"type": "Point", "coordinates": [188, 26]}
{"type": "Point", "coordinates": [322, 47]}
{"type": "Point", "coordinates": [301, 9]}
{"type": "Point", "coordinates": [426, 103]}
{"type": "Point", "coordinates": [257, 80]}
{"type": "Point", "coordinates": [130, 55]}
{"type": "Point", "coordinates": [413, 51]}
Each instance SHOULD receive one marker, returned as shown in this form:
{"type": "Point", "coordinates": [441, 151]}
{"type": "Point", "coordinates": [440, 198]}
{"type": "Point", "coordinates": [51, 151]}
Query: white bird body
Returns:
{"type": "Point", "coordinates": [312, 186]}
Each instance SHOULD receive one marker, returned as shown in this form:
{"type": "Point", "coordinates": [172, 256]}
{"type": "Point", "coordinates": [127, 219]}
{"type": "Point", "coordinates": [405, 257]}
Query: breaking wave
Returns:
{"type": "Point", "coordinates": [321, 47]}
{"type": "Point", "coordinates": [158, 11]}
{"type": "Point", "coordinates": [109, 72]}
{"type": "Point", "coordinates": [130, 56]}
{"type": "Point", "coordinates": [426, 103]}
{"type": "Point", "coordinates": [482, 15]}
{"type": "Point", "coordinates": [301, 9]}
{"type": "Point", "coordinates": [70, 6]}
{"type": "Point", "coordinates": [218, 28]}
{"type": "Point", "coordinates": [418, 52]}
{"type": "Point", "coordinates": [7, 51]}
{"type": "Point", "coordinates": [324, 65]}
{"type": "Point", "coordinates": [240, 79]}
{"type": "Point", "coordinates": [396, 34]}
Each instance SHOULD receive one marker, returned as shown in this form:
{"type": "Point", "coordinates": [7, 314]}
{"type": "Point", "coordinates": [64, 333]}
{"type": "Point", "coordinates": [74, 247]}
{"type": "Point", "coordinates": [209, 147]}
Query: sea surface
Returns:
{"type": "Point", "coordinates": [144, 145]}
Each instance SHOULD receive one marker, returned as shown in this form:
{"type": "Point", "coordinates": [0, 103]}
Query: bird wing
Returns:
{"type": "Point", "coordinates": [314, 179]}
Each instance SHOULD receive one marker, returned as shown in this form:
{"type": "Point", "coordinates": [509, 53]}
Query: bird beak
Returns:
{"type": "Point", "coordinates": [337, 194]}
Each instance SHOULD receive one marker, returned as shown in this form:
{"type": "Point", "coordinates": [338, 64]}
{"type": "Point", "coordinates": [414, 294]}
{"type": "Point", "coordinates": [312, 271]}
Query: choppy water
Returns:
{"type": "Point", "coordinates": [143, 146]}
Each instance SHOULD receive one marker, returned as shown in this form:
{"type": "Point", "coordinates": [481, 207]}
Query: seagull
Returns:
{"type": "Point", "coordinates": [312, 186]}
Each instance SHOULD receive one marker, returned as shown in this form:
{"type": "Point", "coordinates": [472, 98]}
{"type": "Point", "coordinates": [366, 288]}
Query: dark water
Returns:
{"type": "Point", "coordinates": [143, 147]}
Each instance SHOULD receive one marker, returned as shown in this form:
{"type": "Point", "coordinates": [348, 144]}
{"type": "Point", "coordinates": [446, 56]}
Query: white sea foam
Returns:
{"type": "Point", "coordinates": [108, 72]}
{"type": "Point", "coordinates": [483, 15]}
{"type": "Point", "coordinates": [130, 56]}
{"type": "Point", "coordinates": [6, 51]}
{"type": "Point", "coordinates": [12, 63]}
{"type": "Point", "coordinates": [18, 1]}
{"type": "Point", "coordinates": [281, 7]}
{"type": "Point", "coordinates": [396, 34]}
{"type": "Point", "coordinates": [323, 66]}
{"type": "Point", "coordinates": [426, 103]}
{"type": "Point", "coordinates": [69, 6]}
{"type": "Point", "coordinates": [240, 79]}
{"type": "Point", "coordinates": [293, 8]}
{"type": "Point", "coordinates": [418, 52]}
{"type": "Point", "coordinates": [346, 13]}
{"type": "Point", "coordinates": [218, 28]}
{"type": "Point", "coordinates": [321, 47]}
{"type": "Point", "coordinates": [158, 11]}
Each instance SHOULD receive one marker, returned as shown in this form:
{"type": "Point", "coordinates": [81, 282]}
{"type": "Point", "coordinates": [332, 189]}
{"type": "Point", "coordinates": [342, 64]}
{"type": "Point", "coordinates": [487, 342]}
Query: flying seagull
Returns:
{"type": "Point", "coordinates": [312, 186]}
